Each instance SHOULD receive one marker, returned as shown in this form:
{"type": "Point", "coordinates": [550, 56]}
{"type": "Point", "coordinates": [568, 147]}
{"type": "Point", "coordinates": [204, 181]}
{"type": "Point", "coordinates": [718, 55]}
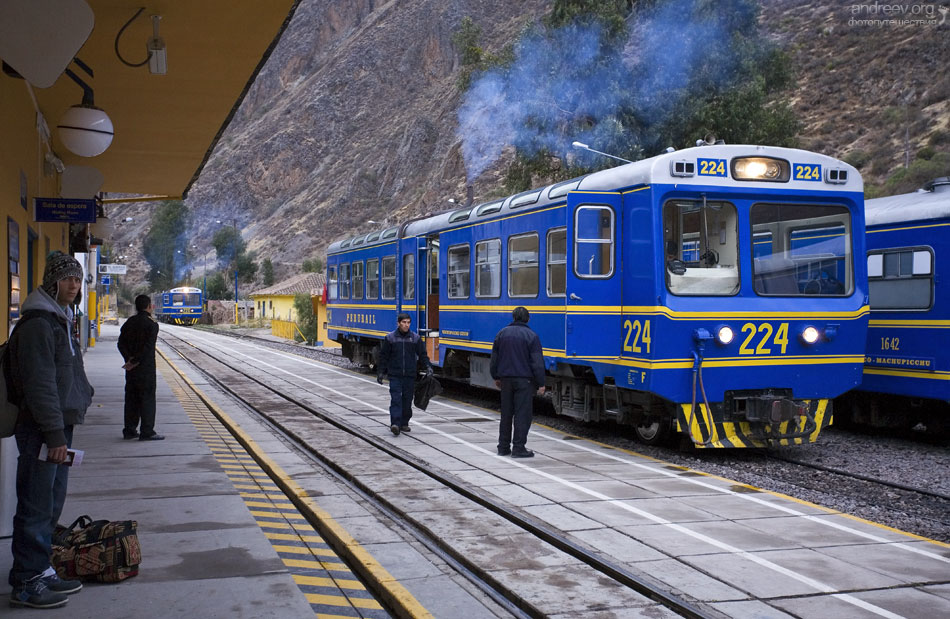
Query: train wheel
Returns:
{"type": "Point", "coordinates": [655, 432]}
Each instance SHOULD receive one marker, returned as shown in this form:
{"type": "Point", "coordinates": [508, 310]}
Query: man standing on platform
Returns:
{"type": "Point", "coordinates": [137, 345]}
{"type": "Point", "coordinates": [49, 382]}
{"type": "Point", "coordinates": [401, 355]}
{"type": "Point", "coordinates": [517, 365]}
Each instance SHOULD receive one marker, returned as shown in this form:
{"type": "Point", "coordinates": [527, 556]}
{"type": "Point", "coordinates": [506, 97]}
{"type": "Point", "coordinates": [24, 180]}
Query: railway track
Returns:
{"type": "Point", "coordinates": [265, 399]}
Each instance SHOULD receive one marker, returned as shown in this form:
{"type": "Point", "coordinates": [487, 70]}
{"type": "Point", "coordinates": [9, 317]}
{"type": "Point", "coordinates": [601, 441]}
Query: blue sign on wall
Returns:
{"type": "Point", "coordinates": [71, 210]}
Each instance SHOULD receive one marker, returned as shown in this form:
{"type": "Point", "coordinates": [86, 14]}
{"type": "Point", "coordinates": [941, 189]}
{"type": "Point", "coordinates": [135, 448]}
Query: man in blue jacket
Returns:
{"type": "Point", "coordinates": [402, 355]}
{"type": "Point", "coordinates": [517, 365]}
{"type": "Point", "coordinates": [50, 383]}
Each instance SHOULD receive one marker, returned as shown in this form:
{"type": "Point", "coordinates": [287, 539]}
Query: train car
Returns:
{"type": "Point", "coordinates": [907, 370]}
{"type": "Point", "coordinates": [179, 306]}
{"type": "Point", "coordinates": [711, 291]}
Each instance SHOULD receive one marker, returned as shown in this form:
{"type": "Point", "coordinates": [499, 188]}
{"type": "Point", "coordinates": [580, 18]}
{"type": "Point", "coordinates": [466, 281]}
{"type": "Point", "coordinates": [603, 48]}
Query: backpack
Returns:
{"type": "Point", "coordinates": [99, 550]}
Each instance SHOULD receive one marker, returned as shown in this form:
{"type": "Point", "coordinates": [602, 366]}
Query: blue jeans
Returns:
{"type": "Point", "coordinates": [516, 402]}
{"type": "Point", "coordinates": [41, 493]}
{"type": "Point", "coordinates": [400, 399]}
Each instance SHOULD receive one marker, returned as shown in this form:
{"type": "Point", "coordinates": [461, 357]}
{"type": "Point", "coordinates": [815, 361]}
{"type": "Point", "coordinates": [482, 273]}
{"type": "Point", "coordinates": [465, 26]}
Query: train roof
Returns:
{"type": "Point", "coordinates": [674, 167]}
{"type": "Point", "coordinates": [930, 202]}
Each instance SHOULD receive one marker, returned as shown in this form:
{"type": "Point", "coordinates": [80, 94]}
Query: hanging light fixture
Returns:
{"type": "Point", "coordinates": [85, 129]}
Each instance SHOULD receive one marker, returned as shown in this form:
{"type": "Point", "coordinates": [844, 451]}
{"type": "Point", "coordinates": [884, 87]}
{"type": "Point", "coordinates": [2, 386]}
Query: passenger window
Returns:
{"type": "Point", "coordinates": [523, 265]}
{"type": "Point", "coordinates": [408, 276]}
{"type": "Point", "coordinates": [389, 277]}
{"type": "Point", "coordinates": [357, 280]}
{"type": "Point", "coordinates": [488, 268]}
{"type": "Point", "coordinates": [701, 248]}
{"type": "Point", "coordinates": [458, 271]}
{"type": "Point", "coordinates": [331, 283]}
{"type": "Point", "coordinates": [344, 281]}
{"type": "Point", "coordinates": [901, 279]}
{"type": "Point", "coordinates": [372, 278]}
{"type": "Point", "coordinates": [556, 259]}
{"type": "Point", "coordinates": [594, 242]}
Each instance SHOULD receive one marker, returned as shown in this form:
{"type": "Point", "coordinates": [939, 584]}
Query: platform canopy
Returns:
{"type": "Point", "coordinates": [165, 125]}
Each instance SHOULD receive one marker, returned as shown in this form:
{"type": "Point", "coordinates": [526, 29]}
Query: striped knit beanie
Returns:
{"type": "Point", "coordinates": [59, 266]}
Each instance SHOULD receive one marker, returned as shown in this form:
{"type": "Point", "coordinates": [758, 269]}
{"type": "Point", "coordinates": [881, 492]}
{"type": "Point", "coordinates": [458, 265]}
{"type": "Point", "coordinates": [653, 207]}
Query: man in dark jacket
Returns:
{"type": "Point", "coordinates": [402, 355]}
{"type": "Point", "coordinates": [517, 365]}
{"type": "Point", "coordinates": [137, 345]}
{"type": "Point", "coordinates": [49, 380]}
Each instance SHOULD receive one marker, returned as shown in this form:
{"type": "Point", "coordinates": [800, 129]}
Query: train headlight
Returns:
{"type": "Point", "coordinates": [760, 169]}
{"type": "Point", "coordinates": [810, 335]}
{"type": "Point", "coordinates": [725, 335]}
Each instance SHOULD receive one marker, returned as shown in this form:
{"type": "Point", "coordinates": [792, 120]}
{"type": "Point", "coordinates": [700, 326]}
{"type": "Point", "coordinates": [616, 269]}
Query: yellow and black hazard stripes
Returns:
{"type": "Point", "coordinates": [332, 589]}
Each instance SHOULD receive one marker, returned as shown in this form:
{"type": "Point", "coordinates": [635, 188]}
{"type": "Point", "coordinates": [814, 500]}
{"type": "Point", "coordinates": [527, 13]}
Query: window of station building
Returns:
{"type": "Point", "coordinates": [344, 281]}
{"type": "Point", "coordinates": [357, 280]}
{"type": "Point", "coordinates": [372, 278]}
{"type": "Point", "coordinates": [408, 276]}
{"type": "Point", "coordinates": [488, 268]}
{"type": "Point", "coordinates": [523, 265]}
{"type": "Point", "coordinates": [594, 242]}
{"type": "Point", "coordinates": [901, 278]}
{"type": "Point", "coordinates": [556, 259]}
{"type": "Point", "coordinates": [459, 271]}
{"type": "Point", "coordinates": [332, 292]}
{"type": "Point", "coordinates": [389, 277]}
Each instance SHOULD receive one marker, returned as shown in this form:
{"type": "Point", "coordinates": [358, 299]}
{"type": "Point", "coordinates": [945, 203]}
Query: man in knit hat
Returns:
{"type": "Point", "coordinates": [50, 383]}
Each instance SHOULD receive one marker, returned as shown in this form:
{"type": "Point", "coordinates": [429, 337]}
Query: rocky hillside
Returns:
{"type": "Point", "coordinates": [353, 120]}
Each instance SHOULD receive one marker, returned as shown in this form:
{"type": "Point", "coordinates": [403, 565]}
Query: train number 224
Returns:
{"type": "Point", "coordinates": [766, 335]}
{"type": "Point", "coordinates": [636, 336]}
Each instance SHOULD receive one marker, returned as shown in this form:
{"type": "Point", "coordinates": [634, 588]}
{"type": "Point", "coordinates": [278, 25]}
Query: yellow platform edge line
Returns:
{"type": "Point", "coordinates": [390, 589]}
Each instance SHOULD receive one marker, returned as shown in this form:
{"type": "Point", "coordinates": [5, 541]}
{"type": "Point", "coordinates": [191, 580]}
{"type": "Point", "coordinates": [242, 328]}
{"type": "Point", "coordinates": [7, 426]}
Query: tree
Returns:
{"type": "Point", "coordinates": [246, 267]}
{"type": "Point", "coordinates": [312, 265]}
{"type": "Point", "coordinates": [306, 321]}
{"type": "Point", "coordinates": [267, 272]}
{"type": "Point", "coordinates": [231, 251]}
{"type": "Point", "coordinates": [220, 287]}
{"type": "Point", "coordinates": [165, 246]}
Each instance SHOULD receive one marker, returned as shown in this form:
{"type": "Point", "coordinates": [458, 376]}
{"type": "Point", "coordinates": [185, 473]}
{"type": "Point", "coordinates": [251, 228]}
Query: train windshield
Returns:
{"type": "Point", "coordinates": [186, 299]}
{"type": "Point", "coordinates": [801, 250]}
{"type": "Point", "coordinates": [702, 249]}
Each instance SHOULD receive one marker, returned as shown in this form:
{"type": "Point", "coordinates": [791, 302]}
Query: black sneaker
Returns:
{"type": "Point", "coordinates": [34, 593]}
{"type": "Point", "coordinates": [394, 429]}
{"type": "Point", "coordinates": [129, 434]}
{"type": "Point", "coordinates": [404, 429]}
{"type": "Point", "coordinates": [522, 453]}
{"type": "Point", "coordinates": [504, 451]}
{"type": "Point", "coordinates": [152, 437]}
{"type": "Point", "coordinates": [58, 585]}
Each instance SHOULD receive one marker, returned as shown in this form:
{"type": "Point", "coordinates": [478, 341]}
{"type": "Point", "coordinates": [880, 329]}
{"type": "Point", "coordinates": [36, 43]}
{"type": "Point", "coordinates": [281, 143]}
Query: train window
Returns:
{"type": "Point", "coordinates": [556, 257]}
{"type": "Point", "coordinates": [357, 271]}
{"type": "Point", "coordinates": [701, 249]}
{"type": "Point", "coordinates": [488, 268]}
{"type": "Point", "coordinates": [331, 284]}
{"type": "Point", "coordinates": [523, 265]}
{"type": "Point", "coordinates": [594, 242]}
{"type": "Point", "coordinates": [344, 281]}
{"type": "Point", "coordinates": [372, 278]}
{"type": "Point", "coordinates": [561, 189]}
{"type": "Point", "coordinates": [389, 277]}
{"type": "Point", "coordinates": [373, 237]}
{"type": "Point", "coordinates": [801, 250]}
{"type": "Point", "coordinates": [408, 276]}
{"type": "Point", "coordinates": [489, 207]}
{"type": "Point", "coordinates": [346, 243]}
{"type": "Point", "coordinates": [390, 233]}
{"type": "Point", "coordinates": [901, 278]}
{"type": "Point", "coordinates": [458, 271]}
{"type": "Point", "coordinates": [524, 199]}
{"type": "Point", "coordinates": [460, 215]}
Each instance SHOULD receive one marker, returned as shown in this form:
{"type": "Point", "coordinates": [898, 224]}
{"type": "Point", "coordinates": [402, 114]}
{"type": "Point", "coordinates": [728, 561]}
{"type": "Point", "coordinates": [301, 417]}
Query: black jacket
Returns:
{"type": "Point", "coordinates": [137, 341]}
{"type": "Point", "coordinates": [516, 353]}
{"type": "Point", "coordinates": [402, 354]}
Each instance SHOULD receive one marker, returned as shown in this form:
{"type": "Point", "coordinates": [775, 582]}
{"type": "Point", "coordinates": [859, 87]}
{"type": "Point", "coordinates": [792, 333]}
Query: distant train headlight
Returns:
{"type": "Point", "coordinates": [725, 335]}
{"type": "Point", "coordinates": [760, 169]}
{"type": "Point", "coordinates": [810, 335]}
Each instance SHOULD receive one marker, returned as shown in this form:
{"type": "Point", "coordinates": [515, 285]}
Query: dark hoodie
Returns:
{"type": "Point", "coordinates": [47, 368]}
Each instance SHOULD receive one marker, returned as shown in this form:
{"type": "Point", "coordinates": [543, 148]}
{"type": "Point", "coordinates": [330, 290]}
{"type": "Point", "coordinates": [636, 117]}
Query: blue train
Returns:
{"type": "Point", "coordinates": [179, 306]}
{"type": "Point", "coordinates": [907, 370]}
{"type": "Point", "coordinates": [711, 291]}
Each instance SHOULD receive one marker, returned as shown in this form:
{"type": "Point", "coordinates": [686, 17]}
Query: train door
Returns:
{"type": "Point", "coordinates": [592, 325]}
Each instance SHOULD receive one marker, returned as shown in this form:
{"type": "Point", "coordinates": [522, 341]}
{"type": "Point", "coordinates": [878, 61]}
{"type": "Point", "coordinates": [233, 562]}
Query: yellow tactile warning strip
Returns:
{"type": "Point", "coordinates": [333, 591]}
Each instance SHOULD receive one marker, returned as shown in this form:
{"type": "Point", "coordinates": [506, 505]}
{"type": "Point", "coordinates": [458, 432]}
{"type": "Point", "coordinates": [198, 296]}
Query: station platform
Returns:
{"type": "Point", "coordinates": [218, 537]}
